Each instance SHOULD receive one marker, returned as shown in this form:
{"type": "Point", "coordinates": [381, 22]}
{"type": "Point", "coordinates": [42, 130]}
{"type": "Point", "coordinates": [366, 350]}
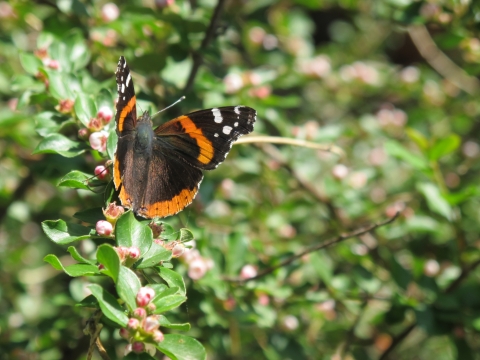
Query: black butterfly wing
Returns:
{"type": "Point", "coordinates": [126, 117]}
{"type": "Point", "coordinates": [171, 183]}
{"type": "Point", "coordinates": [204, 138]}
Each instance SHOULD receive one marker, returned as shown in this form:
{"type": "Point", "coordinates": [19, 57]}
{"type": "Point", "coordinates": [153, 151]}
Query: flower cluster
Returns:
{"type": "Point", "coordinates": [142, 330]}
{"type": "Point", "coordinates": [94, 130]}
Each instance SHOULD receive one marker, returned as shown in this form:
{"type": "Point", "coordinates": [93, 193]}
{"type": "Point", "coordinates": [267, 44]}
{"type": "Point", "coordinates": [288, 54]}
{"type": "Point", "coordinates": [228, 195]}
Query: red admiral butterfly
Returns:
{"type": "Point", "coordinates": [158, 171]}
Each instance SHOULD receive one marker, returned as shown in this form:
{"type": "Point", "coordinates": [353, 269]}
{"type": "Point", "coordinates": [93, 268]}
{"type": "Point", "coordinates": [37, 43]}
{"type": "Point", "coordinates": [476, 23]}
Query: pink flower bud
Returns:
{"type": "Point", "coordinates": [122, 252]}
{"type": "Point", "coordinates": [98, 140]}
{"type": "Point", "coordinates": [133, 252]}
{"type": "Point", "coordinates": [144, 296]}
{"type": "Point", "coordinates": [65, 106]}
{"type": "Point", "coordinates": [290, 322]}
{"type": "Point", "coordinates": [197, 269]}
{"type": "Point", "coordinates": [110, 12]}
{"type": "Point", "coordinates": [133, 323]}
{"type": "Point", "coordinates": [138, 347]}
{"type": "Point", "coordinates": [140, 313]}
{"type": "Point", "coordinates": [248, 272]}
{"type": "Point", "coordinates": [124, 333]}
{"type": "Point", "coordinates": [158, 336]}
{"type": "Point", "coordinates": [95, 125]}
{"type": "Point", "coordinates": [159, 242]}
{"type": "Point", "coordinates": [339, 171]}
{"type": "Point", "coordinates": [113, 212]}
{"type": "Point", "coordinates": [151, 307]}
{"type": "Point", "coordinates": [101, 266]}
{"type": "Point", "coordinates": [151, 324]}
{"type": "Point", "coordinates": [101, 172]}
{"type": "Point", "coordinates": [104, 228]}
{"type": "Point", "coordinates": [83, 133]}
{"type": "Point", "coordinates": [105, 113]}
{"type": "Point", "coordinates": [263, 299]}
{"type": "Point", "coordinates": [163, 3]}
{"type": "Point", "coordinates": [178, 250]}
{"type": "Point", "coordinates": [53, 64]}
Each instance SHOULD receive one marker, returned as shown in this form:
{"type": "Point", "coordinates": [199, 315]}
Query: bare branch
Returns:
{"type": "Point", "coordinates": [440, 62]}
{"type": "Point", "coordinates": [93, 328]}
{"type": "Point", "coordinates": [197, 57]}
{"type": "Point", "coordinates": [317, 247]}
{"type": "Point", "coordinates": [289, 141]}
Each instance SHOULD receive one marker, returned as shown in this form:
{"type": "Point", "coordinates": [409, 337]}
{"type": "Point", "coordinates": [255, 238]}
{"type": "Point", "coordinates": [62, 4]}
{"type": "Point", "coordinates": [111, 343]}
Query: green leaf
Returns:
{"type": "Point", "coordinates": [172, 278]}
{"type": "Point", "coordinates": [181, 347]}
{"type": "Point", "coordinates": [130, 232]}
{"type": "Point", "coordinates": [186, 235]}
{"type": "Point", "coordinates": [444, 147]}
{"type": "Point", "coordinates": [85, 108]}
{"type": "Point", "coordinates": [59, 144]}
{"type": "Point", "coordinates": [76, 180]}
{"type": "Point", "coordinates": [90, 216]}
{"type": "Point", "coordinates": [59, 86]}
{"type": "Point", "coordinates": [435, 201]}
{"type": "Point", "coordinates": [417, 137]}
{"type": "Point", "coordinates": [237, 249]}
{"type": "Point", "coordinates": [77, 51]}
{"type": "Point", "coordinates": [154, 256]}
{"type": "Point", "coordinates": [395, 149]}
{"type": "Point", "coordinates": [127, 286]}
{"type": "Point", "coordinates": [72, 270]}
{"type": "Point", "coordinates": [61, 232]}
{"type": "Point", "coordinates": [168, 303]}
{"type": "Point", "coordinates": [169, 233]}
{"type": "Point", "coordinates": [109, 305]}
{"type": "Point", "coordinates": [165, 323]}
{"type": "Point", "coordinates": [30, 63]}
{"type": "Point", "coordinates": [108, 257]}
{"type": "Point", "coordinates": [76, 256]}
{"type": "Point", "coordinates": [112, 144]}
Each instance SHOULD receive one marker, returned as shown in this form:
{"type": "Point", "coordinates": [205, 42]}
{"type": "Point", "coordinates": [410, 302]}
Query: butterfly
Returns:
{"type": "Point", "coordinates": [158, 172]}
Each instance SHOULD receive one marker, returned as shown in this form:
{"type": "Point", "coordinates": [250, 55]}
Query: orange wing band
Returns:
{"type": "Point", "coordinates": [168, 207]}
{"type": "Point", "coordinates": [126, 109]}
{"type": "Point", "coordinates": [205, 145]}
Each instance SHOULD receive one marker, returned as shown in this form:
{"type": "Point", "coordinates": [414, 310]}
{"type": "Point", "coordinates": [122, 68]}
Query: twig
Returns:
{"type": "Point", "coordinates": [275, 154]}
{"type": "Point", "coordinates": [463, 275]}
{"type": "Point", "coordinates": [93, 328]}
{"type": "Point", "coordinates": [197, 57]}
{"type": "Point", "coordinates": [397, 340]}
{"type": "Point", "coordinates": [315, 248]}
{"type": "Point", "coordinates": [289, 141]}
{"type": "Point", "coordinates": [440, 62]}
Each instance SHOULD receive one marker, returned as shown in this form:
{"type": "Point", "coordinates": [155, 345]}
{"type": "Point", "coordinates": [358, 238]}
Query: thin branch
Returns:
{"type": "Point", "coordinates": [289, 141]}
{"type": "Point", "coordinates": [440, 62]}
{"type": "Point", "coordinates": [463, 275]}
{"type": "Point", "coordinates": [317, 247]}
{"type": "Point", "coordinates": [93, 328]}
{"type": "Point", "coordinates": [197, 55]}
{"type": "Point", "coordinates": [400, 337]}
{"type": "Point", "coordinates": [397, 340]}
{"type": "Point", "coordinates": [275, 154]}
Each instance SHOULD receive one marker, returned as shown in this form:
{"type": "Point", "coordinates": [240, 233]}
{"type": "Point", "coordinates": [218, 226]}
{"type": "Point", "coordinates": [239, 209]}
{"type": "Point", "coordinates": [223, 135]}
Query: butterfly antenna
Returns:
{"type": "Point", "coordinates": [169, 106]}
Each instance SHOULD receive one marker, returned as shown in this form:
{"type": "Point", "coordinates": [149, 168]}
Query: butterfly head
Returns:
{"type": "Point", "coordinates": [145, 118]}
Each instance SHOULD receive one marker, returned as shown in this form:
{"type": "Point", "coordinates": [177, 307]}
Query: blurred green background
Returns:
{"type": "Point", "coordinates": [393, 83]}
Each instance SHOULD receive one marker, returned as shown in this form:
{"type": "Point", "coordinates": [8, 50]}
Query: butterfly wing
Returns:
{"type": "Point", "coordinates": [204, 138]}
{"type": "Point", "coordinates": [171, 183]}
{"type": "Point", "coordinates": [126, 120]}
{"type": "Point", "coordinates": [126, 117]}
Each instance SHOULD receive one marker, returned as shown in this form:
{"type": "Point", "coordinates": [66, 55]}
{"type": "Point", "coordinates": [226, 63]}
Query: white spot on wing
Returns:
{"type": "Point", "coordinates": [216, 135]}
{"type": "Point", "coordinates": [123, 88]}
{"type": "Point", "coordinates": [236, 124]}
{"type": "Point", "coordinates": [226, 130]}
{"type": "Point", "coordinates": [237, 109]}
{"type": "Point", "coordinates": [217, 115]}
{"type": "Point", "coordinates": [128, 79]}
{"type": "Point", "coordinates": [124, 64]}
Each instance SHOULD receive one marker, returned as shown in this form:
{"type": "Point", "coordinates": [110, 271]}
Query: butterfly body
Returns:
{"type": "Point", "coordinates": [158, 171]}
